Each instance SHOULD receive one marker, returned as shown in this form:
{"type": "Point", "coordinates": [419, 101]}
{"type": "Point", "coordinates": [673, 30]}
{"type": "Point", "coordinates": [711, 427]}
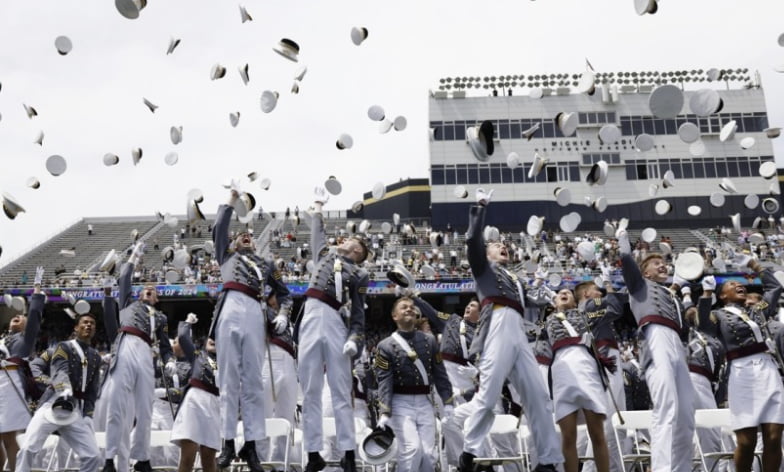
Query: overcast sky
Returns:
{"type": "Point", "coordinates": [90, 101]}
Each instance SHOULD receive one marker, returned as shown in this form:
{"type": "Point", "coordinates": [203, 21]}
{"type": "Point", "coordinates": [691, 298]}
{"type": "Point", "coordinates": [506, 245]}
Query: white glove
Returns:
{"type": "Point", "coordinates": [137, 253]}
{"type": "Point", "coordinates": [685, 291]}
{"type": "Point", "coordinates": [540, 275]}
{"type": "Point", "coordinates": [281, 321]}
{"type": "Point", "coordinates": [382, 422]}
{"type": "Point", "coordinates": [587, 339]}
{"type": "Point", "coordinates": [709, 283]}
{"type": "Point", "coordinates": [449, 412]}
{"type": "Point", "coordinates": [4, 354]}
{"type": "Point", "coordinates": [679, 281]}
{"type": "Point", "coordinates": [623, 242]}
{"type": "Point", "coordinates": [321, 196]}
{"type": "Point", "coordinates": [606, 272]}
{"type": "Point", "coordinates": [160, 393]}
{"type": "Point", "coordinates": [350, 349]}
{"type": "Point", "coordinates": [191, 319]}
{"type": "Point", "coordinates": [170, 368]}
{"type": "Point", "coordinates": [106, 359]}
{"type": "Point", "coordinates": [549, 294]}
{"type": "Point", "coordinates": [66, 394]}
{"type": "Point", "coordinates": [482, 197]}
{"type": "Point", "coordinates": [39, 275]}
{"type": "Point", "coordinates": [468, 372]}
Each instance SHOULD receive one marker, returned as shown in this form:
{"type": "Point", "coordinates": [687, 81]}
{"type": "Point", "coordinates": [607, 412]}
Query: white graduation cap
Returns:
{"type": "Point", "coordinates": [747, 143]}
{"type": "Point", "coordinates": [600, 204]}
{"type": "Point", "coordinates": [173, 43]}
{"type": "Point", "coordinates": [609, 134]}
{"type": "Point", "coordinates": [171, 158]}
{"type": "Point", "coordinates": [662, 207]}
{"type": "Point", "coordinates": [648, 235]}
{"type": "Point", "coordinates": [345, 141]}
{"type": "Point", "coordinates": [288, 49]}
{"type": "Point", "coordinates": [563, 196]}
{"type": "Point", "coordinates": [11, 207]}
{"type": "Point", "coordinates": [770, 205]}
{"type": "Point", "coordinates": [688, 132]}
{"type": "Point", "coordinates": [379, 190]}
{"type": "Point", "coordinates": [644, 142]}
{"type": "Point", "coordinates": [697, 148]}
{"type": "Point", "coordinates": [460, 192]}
{"type": "Point", "coordinates": [694, 210]}
{"type": "Point", "coordinates": [598, 174]}
{"type": "Point", "coordinates": [666, 101]}
{"type": "Point", "coordinates": [30, 111]}
{"type": "Point", "coordinates": [244, 15]}
{"type": "Point", "coordinates": [728, 131]}
{"type": "Point", "coordinates": [63, 45]}
{"type": "Point", "coordinates": [234, 119]}
{"type": "Point", "coordinates": [669, 179]}
{"type": "Point", "coordinates": [751, 201]}
{"type": "Point", "coordinates": [365, 226]}
{"type": "Point", "coordinates": [269, 100]}
{"type": "Point", "coordinates": [196, 195]}
{"type": "Point", "coordinates": [333, 185]}
{"type": "Point", "coordinates": [717, 199]}
{"type": "Point", "coordinates": [772, 133]}
{"type": "Point", "coordinates": [529, 133]}
{"type": "Point", "coordinates": [767, 170]}
{"type": "Point", "coordinates": [217, 72]}
{"type": "Point", "coordinates": [150, 105]}
{"type": "Point", "coordinates": [130, 8]}
{"type": "Point", "coordinates": [727, 185]}
{"type": "Point", "coordinates": [244, 75]}
{"type": "Point", "coordinates": [567, 123]}
{"type": "Point", "coordinates": [705, 102]}
{"type": "Point", "coordinates": [689, 265]}
{"type": "Point", "coordinates": [39, 139]}
{"type": "Point", "coordinates": [735, 219]}
{"type": "Point", "coordinates": [136, 155]}
{"type": "Point", "coordinates": [33, 183]}
{"type": "Point", "coordinates": [653, 189]}
{"type": "Point", "coordinates": [537, 166]}
{"type": "Point", "coordinates": [56, 165]}
{"type": "Point", "coordinates": [570, 222]}
{"type": "Point", "coordinates": [480, 139]}
{"type": "Point", "coordinates": [586, 83]}
{"type": "Point", "coordinates": [376, 113]}
{"type": "Point", "coordinates": [513, 160]}
{"type": "Point", "coordinates": [646, 6]}
{"type": "Point", "coordinates": [534, 226]}
{"type": "Point", "coordinates": [586, 250]}
{"type": "Point", "coordinates": [491, 233]}
{"type": "Point", "coordinates": [358, 35]}
{"type": "Point", "coordinates": [399, 123]}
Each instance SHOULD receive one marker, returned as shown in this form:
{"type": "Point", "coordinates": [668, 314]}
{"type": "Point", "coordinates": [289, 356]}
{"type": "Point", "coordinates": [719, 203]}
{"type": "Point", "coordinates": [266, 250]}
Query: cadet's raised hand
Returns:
{"type": "Point", "coordinates": [39, 276]}
{"type": "Point", "coordinates": [482, 197]}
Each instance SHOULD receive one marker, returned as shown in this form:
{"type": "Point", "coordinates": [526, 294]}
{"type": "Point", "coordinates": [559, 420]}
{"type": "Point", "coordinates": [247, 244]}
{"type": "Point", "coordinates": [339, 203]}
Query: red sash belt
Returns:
{"type": "Point", "coordinates": [561, 343]}
{"type": "Point", "coordinates": [138, 333]}
{"type": "Point", "coordinates": [660, 320]}
{"type": "Point", "coordinates": [544, 360]}
{"type": "Point", "coordinates": [702, 371]}
{"type": "Point", "coordinates": [746, 351]}
{"type": "Point", "coordinates": [412, 389]}
{"type": "Point", "coordinates": [204, 386]}
{"type": "Point", "coordinates": [453, 358]}
{"type": "Point", "coordinates": [323, 296]}
{"type": "Point", "coordinates": [249, 291]}
{"type": "Point", "coordinates": [611, 343]}
{"type": "Point", "coordinates": [508, 302]}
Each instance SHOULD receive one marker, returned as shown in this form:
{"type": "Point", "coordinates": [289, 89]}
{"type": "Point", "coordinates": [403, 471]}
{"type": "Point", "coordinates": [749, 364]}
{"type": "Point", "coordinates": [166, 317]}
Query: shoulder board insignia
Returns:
{"type": "Point", "coordinates": [362, 290]}
{"type": "Point", "coordinates": [443, 316]}
{"type": "Point", "coordinates": [761, 305]}
{"type": "Point", "coordinates": [381, 363]}
{"type": "Point", "coordinates": [438, 358]}
{"type": "Point", "coordinates": [276, 275]}
{"type": "Point", "coordinates": [45, 356]}
{"type": "Point", "coordinates": [713, 318]}
{"type": "Point", "coordinates": [60, 352]}
{"type": "Point", "coordinates": [597, 301]}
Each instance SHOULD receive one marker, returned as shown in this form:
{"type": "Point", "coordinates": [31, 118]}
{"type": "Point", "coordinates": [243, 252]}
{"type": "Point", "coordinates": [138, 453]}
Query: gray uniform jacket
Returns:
{"type": "Point", "coordinates": [20, 346]}
{"type": "Point", "coordinates": [727, 322]}
{"type": "Point", "coordinates": [494, 283]}
{"type": "Point", "coordinates": [602, 314]}
{"type": "Point", "coordinates": [453, 329]}
{"type": "Point", "coordinates": [204, 364]}
{"type": "Point", "coordinates": [67, 371]}
{"type": "Point", "coordinates": [705, 353]}
{"type": "Point", "coordinates": [396, 372]}
{"type": "Point", "coordinates": [355, 281]}
{"type": "Point", "coordinates": [244, 268]}
{"type": "Point", "coordinates": [136, 318]}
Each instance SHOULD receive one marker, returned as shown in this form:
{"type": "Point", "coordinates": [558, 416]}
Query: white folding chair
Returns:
{"type": "Point", "coordinates": [633, 422]}
{"type": "Point", "coordinates": [717, 418]}
{"type": "Point", "coordinates": [276, 428]}
{"type": "Point", "coordinates": [161, 438]}
{"type": "Point", "coordinates": [506, 425]}
{"type": "Point", "coordinates": [49, 445]}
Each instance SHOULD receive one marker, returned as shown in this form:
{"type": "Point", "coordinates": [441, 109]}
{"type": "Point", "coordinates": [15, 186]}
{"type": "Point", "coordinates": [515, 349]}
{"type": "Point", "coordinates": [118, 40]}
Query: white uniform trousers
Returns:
{"type": "Point", "coordinates": [79, 435]}
{"type": "Point", "coordinates": [14, 415]}
{"type": "Point", "coordinates": [284, 403]}
{"type": "Point", "coordinates": [507, 354]}
{"type": "Point", "coordinates": [414, 422]}
{"type": "Point", "coordinates": [240, 343]}
{"type": "Point", "coordinates": [129, 394]}
{"type": "Point", "coordinates": [619, 393]}
{"type": "Point", "coordinates": [162, 420]}
{"type": "Point", "coordinates": [459, 382]}
{"type": "Point", "coordinates": [672, 394]}
{"type": "Point", "coordinates": [322, 334]}
{"type": "Point", "coordinates": [710, 438]}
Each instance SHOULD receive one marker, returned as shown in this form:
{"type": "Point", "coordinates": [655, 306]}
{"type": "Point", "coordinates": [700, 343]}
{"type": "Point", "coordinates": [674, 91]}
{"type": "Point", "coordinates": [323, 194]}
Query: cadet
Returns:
{"type": "Point", "coordinates": [659, 315]}
{"type": "Point", "coordinates": [503, 341]}
{"type": "Point", "coordinates": [67, 405]}
{"type": "Point", "coordinates": [239, 328]}
{"type": "Point", "coordinates": [331, 333]}
{"type": "Point", "coordinates": [407, 367]}
{"type": "Point", "coordinates": [130, 378]}
{"type": "Point", "coordinates": [756, 395]}
{"type": "Point", "coordinates": [16, 347]}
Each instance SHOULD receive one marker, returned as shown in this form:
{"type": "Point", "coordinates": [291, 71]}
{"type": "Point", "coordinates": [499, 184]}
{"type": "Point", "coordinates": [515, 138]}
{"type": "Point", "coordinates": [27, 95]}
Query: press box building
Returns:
{"type": "Point", "coordinates": [514, 104]}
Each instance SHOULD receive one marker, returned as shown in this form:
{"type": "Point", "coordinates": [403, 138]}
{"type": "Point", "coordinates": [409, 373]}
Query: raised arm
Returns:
{"type": "Point", "coordinates": [220, 233]}
{"type": "Point", "coordinates": [318, 235]}
{"type": "Point", "coordinates": [436, 318]}
{"type": "Point", "coordinates": [34, 315]}
{"type": "Point", "coordinates": [772, 291]}
{"type": "Point", "coordinates": [358, 291]}
{"type": "Point", "coordinates": [93, 387]}
{"type": "Point", "coordinates": [162, 333]}
{"type": "Point", "coordinates": [385, 380]}
{"type": "Point", "coordinates": [185, 339]}
{"type": "Point", "coordinates": [110, 321]}
{"type": "Point", "coordinates": [475, 241]}
{"type": "Point", "coordinates": [704, 308]}
{"type": "Point", "coordinates": [440, 377]}
{"type": "Point", "coordinates": [280, 289]}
